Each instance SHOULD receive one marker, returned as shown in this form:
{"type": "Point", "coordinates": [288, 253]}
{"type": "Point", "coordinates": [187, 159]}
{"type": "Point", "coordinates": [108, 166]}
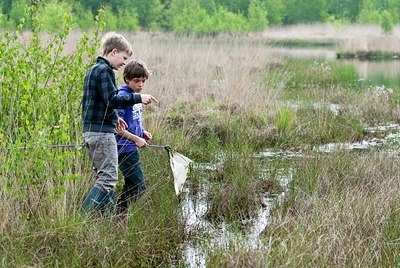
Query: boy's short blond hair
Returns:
{"type": "Point", "coordinates": [113, 40]}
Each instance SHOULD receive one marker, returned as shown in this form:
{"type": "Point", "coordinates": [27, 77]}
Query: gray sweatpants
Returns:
{"type": "Point", "coordinates": [102, 150]}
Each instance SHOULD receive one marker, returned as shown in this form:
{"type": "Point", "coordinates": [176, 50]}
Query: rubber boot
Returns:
{"type": "Point", "coordinates": [96, 200]}
{"type": "Point", "coordinates": [123, 204]}
{"type": "Point", "coordinates": [109, 203]}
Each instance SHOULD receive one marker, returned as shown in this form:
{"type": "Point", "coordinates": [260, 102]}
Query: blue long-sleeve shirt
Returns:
{"type": "Point", "coordinates": [100, 98]}
{"type": "Point", "coordinates": [133, 118]}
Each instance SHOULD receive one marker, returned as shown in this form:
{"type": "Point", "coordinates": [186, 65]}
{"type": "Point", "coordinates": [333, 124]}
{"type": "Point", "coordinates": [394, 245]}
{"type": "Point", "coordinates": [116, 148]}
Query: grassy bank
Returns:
{"type": "Point", "coordinates": [369, 55]}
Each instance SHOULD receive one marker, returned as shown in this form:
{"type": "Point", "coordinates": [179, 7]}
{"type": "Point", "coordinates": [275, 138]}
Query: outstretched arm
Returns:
{"type": "Point", "coordinates": [108, 92]}
{"type": "Point", "coordinates": [147, 99]}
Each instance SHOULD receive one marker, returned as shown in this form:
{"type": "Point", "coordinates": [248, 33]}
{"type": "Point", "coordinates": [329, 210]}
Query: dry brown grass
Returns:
{"type": "Point", "coordinates": [203, 76]}
{"type": "Point", "coordinates": [350, 37]}
{"type": "Point", "coordinates": [186, 69]}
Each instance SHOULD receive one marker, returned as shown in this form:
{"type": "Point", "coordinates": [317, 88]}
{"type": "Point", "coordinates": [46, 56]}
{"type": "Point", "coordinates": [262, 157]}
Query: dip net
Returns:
{"type": "Point", "coordinates": [180, 168]}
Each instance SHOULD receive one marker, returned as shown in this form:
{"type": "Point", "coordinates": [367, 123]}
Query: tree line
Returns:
{"type": "Point", "coordinates": [196, 16]}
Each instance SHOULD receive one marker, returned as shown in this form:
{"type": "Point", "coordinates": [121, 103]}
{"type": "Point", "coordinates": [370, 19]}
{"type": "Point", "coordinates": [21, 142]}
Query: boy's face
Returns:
{"type": "Point", "coordinates": [117, 58]}
{"type": "Point", "coordinates": [136, 84]}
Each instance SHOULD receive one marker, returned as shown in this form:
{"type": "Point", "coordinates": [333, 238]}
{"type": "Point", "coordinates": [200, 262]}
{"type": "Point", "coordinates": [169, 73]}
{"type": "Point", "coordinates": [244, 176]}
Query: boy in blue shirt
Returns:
{"type": "Point", "coordinates": [134, 136]}
{"type": "Point", "coordinates": [100, 121]}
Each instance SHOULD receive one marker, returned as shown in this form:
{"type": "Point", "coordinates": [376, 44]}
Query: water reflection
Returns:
{"type": "Point", "coordinates": [385, 72]}
{"type": "Point", "coordinates": [392, 131]}
{"type": "Point", "coordinates": [334, 108]}
{"type": "Point", "coordinates": [224, 235]}
{"type": "Point", "coordinates": [378, 72]}
{"type": "Point", "coordinates": [368, 69]}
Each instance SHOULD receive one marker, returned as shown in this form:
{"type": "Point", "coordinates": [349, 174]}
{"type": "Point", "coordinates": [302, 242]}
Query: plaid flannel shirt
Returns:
{"type": "Point", "coordinates": [100, 98]}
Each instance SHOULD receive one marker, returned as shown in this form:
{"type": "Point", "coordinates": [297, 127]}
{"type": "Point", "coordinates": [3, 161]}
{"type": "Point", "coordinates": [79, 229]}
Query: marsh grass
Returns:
{"type": "Point", "coordinates": [238, 194]}
{"type": "Point", "coordinates": [86, 242]}
{"type": "Point", "coordinates": [368, 55]}
{"type": "Point", "coordinates": [49, 221]}
{"type": "Point", "coordinates": [321, 125]}
{"type": "Point", "coordinates": [303, 43]}
{"type": "Point", "coordinates": [328, 103]}
{"type": "Point", "coordinates": [237, 126]}
{"type": "Point", "coordinates": [216, 94]}
{"type": "Point", "coordinates": [303, 74]}
{"type": "Point", "coordinates": [240, 188]}
{"type": "Point", "coordinates": [341, 210]}
{"type": "Point", "coordinates": [231, 258]}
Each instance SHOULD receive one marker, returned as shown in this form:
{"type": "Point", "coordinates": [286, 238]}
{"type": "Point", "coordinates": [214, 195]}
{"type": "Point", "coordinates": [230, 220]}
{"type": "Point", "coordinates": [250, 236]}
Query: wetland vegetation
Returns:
{"type": "Point", "coordinates": [223, 101]}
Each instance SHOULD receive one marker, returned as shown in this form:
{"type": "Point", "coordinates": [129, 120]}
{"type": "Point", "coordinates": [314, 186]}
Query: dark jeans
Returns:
{"type": "Point", "coordinates": [131, 167]}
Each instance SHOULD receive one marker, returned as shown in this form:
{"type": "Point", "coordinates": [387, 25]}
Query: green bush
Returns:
{"type": "Point", "coordinates": [84, 18]}
{"type": "Point", "coordinates": [148, 13]}
{"type": "Point", "coordinates": [128, 20]}
{"type": "Point", "coordinates": [110, 19]}
{"type": "Point", "coordinates": [192, 18]}
{"type": "Point", "coordinates": [227, 22]}
{"type": "Point", "coordinates": [19, 13]}
{"type": "Point", "coordinates": [257, 16]}
{"type": "Point", "coordinates": [368, 14]}
{"type": "Point", "coordinates": [3, 21]}
{"type": "Point", "coordinates": [386, 22]}
{"type": "Point", "coordinates": [54, 16]}
{"type": "Point", "coordinates": [41, 89]}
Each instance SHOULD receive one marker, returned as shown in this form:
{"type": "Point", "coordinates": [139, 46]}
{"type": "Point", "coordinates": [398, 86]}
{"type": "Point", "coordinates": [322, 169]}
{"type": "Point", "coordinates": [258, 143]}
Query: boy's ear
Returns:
{"type": "Point", "coordinates": [114, 51]}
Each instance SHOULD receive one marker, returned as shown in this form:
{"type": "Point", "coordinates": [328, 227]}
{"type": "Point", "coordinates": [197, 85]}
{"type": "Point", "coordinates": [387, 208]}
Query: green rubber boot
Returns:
{"type": "Point", "coordinates": [98, 201]}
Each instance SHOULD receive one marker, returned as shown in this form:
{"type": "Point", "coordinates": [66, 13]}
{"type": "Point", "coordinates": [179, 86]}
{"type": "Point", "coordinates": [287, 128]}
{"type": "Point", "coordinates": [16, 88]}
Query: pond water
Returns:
{"type": "Point", "coordinates": [384, 72]}
{"type": "Point", "coordinates": [223, 235]}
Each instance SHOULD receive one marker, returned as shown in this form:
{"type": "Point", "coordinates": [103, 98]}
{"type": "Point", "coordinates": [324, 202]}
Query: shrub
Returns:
{"type": "Point", "coordinates": [54, 16]}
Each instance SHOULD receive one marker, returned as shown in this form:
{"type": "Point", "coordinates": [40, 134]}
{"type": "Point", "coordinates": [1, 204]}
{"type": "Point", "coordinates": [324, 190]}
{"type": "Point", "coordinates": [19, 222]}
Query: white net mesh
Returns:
{"type": "Point", "coordinates": [180, 168]}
